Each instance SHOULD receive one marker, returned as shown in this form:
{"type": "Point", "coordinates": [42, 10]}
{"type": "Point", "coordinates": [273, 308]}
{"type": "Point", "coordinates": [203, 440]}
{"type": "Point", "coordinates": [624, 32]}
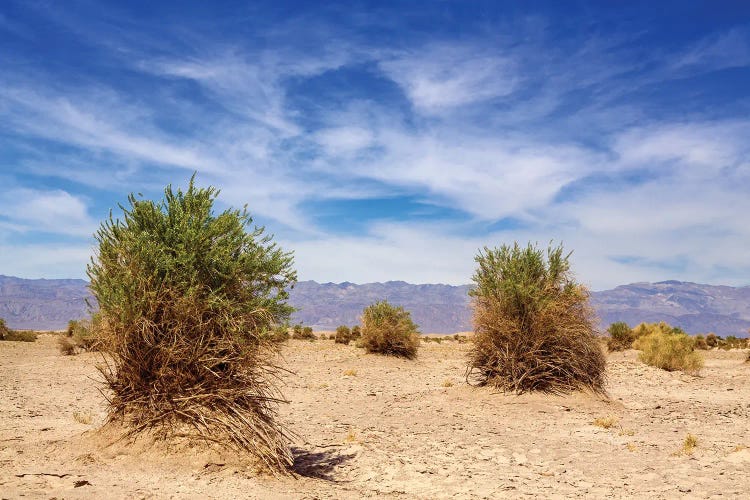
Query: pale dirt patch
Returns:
{"type": "Point", "coordinates": [394, 430]}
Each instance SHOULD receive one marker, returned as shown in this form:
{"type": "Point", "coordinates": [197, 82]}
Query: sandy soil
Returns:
{"type": "Point", "coordinates": [396, 429]}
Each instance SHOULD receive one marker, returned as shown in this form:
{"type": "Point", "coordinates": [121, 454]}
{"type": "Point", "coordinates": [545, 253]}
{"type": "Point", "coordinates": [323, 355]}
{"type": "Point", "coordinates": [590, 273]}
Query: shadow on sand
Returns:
{"type": "Point", "coordinates": [320, 464]}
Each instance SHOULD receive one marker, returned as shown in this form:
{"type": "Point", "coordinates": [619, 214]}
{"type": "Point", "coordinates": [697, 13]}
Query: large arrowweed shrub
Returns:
{"type": "Point", "coordinates": [388, 329]}
{"type": "Point", "coordinates": [534, 328]}
{"type": "Point", "coordinates": [188, 296]}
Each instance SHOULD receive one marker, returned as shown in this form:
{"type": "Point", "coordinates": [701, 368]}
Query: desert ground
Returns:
{"type": "Point", "coordinates": [374, 426]}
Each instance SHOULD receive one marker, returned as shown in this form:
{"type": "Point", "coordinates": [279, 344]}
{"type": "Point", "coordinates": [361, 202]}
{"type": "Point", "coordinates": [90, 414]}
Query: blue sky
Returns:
{"type": "Point", "coordinates": [388, 140]}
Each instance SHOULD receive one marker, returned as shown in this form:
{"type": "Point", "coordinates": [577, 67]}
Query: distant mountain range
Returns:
{"type": "Point", "coordinates": [725, 310]}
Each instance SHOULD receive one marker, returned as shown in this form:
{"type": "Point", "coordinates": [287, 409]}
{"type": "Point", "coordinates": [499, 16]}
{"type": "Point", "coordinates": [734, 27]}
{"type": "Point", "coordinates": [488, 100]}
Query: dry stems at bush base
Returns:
{"type": "Point", "coordinates": [187, 300]}
{"type": "Point", "coordinates": [553, 350]}
{"type": "Point", "coordinates": [218, 389]}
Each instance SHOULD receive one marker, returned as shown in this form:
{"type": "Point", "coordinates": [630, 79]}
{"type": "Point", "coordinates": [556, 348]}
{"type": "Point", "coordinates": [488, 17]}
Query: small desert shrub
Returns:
{"type": "Point", "coordinates": [16, 335]}
{"type": "Point", "coordinates": [188, 297]}
{"type": "Point", "coordinates": [305, 333]}
{"type": "Point", "coordinates": [621, 337]}
{"type": "Point", "coordinates": [4, 330]}
{"type": "Point", "coordinates": [297, 331]}
{"type": "Point", "coordinates": [356, 332]}
{"type": "Point", "coordinates": [534, 326]}
{"type": "Point", "coordinates": [332, 336]}
{"type": "Point", "coordinates": [447, 383]}
{"type": "Point", "coordinates": [343, 335]}
{"type": "Point", "coordinates": [669, 351]}
{"type": "Point", "coordinates": [388, 329]}
{"type": "Point", "coordinates": [277, 334]}
{"type": "Point", "coordinates": [82, 335]}
{"type": "Point", "coordinates": [66, 346]}
{"type": "Point", "coordinates": [732, 342]}
{"type": "Point", "coordinates": [712, 340]}
{"type": "Point", "coordinates": [351, 372]}
{"type": "Point", "coordinates": [700, 343]}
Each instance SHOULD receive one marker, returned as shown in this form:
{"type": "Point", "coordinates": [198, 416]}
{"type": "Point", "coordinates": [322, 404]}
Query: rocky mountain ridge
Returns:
{"type": "Point", "coordinates": [437, 308]}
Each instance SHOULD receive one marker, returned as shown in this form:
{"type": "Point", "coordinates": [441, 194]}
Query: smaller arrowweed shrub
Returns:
{"type": "Point", "coordinates": [343, 335]}
{"type": "Point", "coordinates": [712, 340]}
{"type": "Point", "coordinates": [15, 335]}
{"type": "Point", "coordinates": [621, 337]}
{"type": "Point", "coordinates": [669, 351]}
{"type": "Point", "coordinates": [356, 332]}
{"type": "Point", "coordinates": [388, 329]}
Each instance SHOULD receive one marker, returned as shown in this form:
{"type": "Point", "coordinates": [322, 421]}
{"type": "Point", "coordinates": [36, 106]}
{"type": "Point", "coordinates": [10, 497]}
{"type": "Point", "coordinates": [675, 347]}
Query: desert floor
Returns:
{"type": "Point", "coordinates": [395, 428]}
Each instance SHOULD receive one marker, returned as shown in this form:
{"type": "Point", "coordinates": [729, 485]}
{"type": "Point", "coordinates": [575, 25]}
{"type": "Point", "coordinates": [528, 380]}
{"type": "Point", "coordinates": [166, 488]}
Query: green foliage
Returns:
{"type": "Point", "coordinates": [356, 332]}
{"type": "Point", "coordinates": [533, 324]}
{"type": "Point", "coordinates": [187, 296]}
{"type": "Point", "coordinates": [700, 342]}
{"type": "Point", "coordinates": [4, 330]}
{"type": "Point", "coordinates": [303, 333]}
{"type": "Point", "coordinates": [621, 336]}
{"type": "Point", "coordinates": [343, 335]}
{"type": "Point", "coordinates": [15, 335]}
{"type": "Point", "coordinates": [669, 350]}
{"type": "Point", "coordinates": [388, 329]}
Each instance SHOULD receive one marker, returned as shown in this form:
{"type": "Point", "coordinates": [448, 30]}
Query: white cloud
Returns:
{"type": "Point", "coordinates": [44, 260]}
{"type": "Point", "coordinates": [445, 76]}
{"type": "Point", "coordinates": [49, 211]}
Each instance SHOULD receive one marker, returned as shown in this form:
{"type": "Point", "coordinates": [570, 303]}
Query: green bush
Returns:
{"type": "Point", "coordinates": [16, 335]}
{"type": "Point", "coordinates": [343, 335]}
{"type": "Point", "coordinates": [712, 340]}
{"type": "Point", "coordinates": [533, 325]}
{"type": "Point", "coordinates": [388, 329]}
{"type": "Point", "coordinates": [700, 342]}
{"type": "Point", "coordinates": [303, 333]}
{"type": "Point", "coordinates": [356, 332]}
{"type": "Point", "coordinates": [669, 351]}
{"type": "Point", "coordinates": [187, 296]}
{"type": "Point", "coordinates": [621, 337]}
{"type": "Point", "coordinates": [4, 330]}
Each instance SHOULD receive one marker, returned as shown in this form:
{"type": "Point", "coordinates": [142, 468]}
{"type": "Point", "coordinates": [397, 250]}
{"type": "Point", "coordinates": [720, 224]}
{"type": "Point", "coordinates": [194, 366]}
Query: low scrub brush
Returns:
{"type": "Point", "coordinates": [621, 337]}
{"type": "Point", "coordinates": [669, 351]}
{"type": "Point", "coordinates": [343, 335]}
{"type": "Point", "coordinates": [388, 329]}
{"type": "Point", "coordinates": [15, 335]}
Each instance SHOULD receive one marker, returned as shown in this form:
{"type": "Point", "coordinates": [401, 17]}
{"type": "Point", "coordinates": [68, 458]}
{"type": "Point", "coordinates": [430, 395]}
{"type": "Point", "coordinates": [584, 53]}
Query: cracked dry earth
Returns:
{"type": "Point", "coordinates": [394, 428]}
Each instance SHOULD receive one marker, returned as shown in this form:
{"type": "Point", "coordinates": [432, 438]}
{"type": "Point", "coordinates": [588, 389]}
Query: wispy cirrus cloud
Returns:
{"type": "Point", "coordinates": [574, 132]}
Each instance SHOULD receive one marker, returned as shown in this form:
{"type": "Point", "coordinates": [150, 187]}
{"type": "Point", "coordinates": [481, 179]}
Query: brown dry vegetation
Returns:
{"type": "Point", "coordinates": [393, 431]}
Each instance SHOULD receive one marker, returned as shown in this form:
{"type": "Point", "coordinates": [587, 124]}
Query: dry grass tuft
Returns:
{"type": "Point", "coordinates": [351, 436]}
{"type": "Point", "coordinates": [447, 383]}
{"type": "Point", "coordinates": [605, 422]}
{"type": "Point", "coordinates": [631, 447]}
{"type": "Point", "coordinates": [83, 417]}
{"type": "Point", "coordinates": [351, 372]}
{"type": "Point", "coordinates": [688, 446]}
